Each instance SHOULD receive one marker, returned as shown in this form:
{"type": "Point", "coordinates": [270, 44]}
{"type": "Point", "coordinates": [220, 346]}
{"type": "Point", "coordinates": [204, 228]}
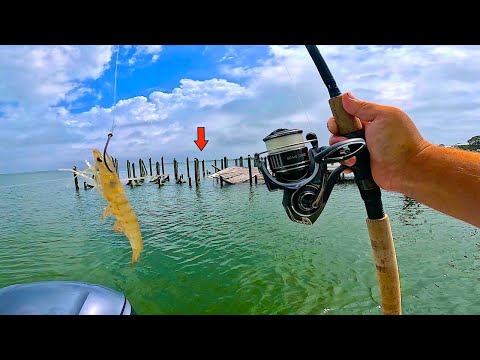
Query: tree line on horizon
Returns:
{"type": "Point", "coordinates": [473, 144]}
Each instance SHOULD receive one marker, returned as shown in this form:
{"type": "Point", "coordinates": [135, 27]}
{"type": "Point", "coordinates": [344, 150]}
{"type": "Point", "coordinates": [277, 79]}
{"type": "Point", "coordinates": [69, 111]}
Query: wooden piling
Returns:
{"type": "Point", "coordinates": [198, 170]}
{"type": "Point", "coordinates": [175, 169]}
{"type": "Point", "coordinates": [195, 169]}
{"type": "Point", "coordinates": [150, 163]}
{"type": "Point", "coordinates": [221, 161]}
{"type": "Point", "coordinates": [215, 163]}
{"type": "Point", "coordinates": [250, 169]}
{"type": "Point", "coordinates": [157, 168]}
{"type": "Point", "coordinates": [133, 170]}
{"type": "Point", "coordinates": [221, 181]}
{"type": "Point", "coordinates": [203, 167]}
{"type": "Point", "coordinates": [189, 181]}
{"type": "Point", "coordinates": [129, 173]}
{"type": "Point", "coordinates": [145, 172]}
{"type": "Point", "coordinates": [163, 170]}
{"type": "Point", "coordinates": [75, 178]}
{"type": "Point", "coordinates": [256, 180]}
{"type": "Point", "coordinates": [188, 168]}
{"type": "Point", "coordinates": [115, 165]}
{"type": "Point", "coordinates": [225, 161]}
{"type": "Point", "coordinates": [236, 162]}
{"type": "Point", "coordinates": [240, 161]}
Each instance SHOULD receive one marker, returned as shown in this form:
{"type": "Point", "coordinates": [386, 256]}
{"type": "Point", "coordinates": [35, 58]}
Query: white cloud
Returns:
{"type": "Point", "coordinates": [436, 85]}
{"type": "Point", "coordinates": [229, 54]}
{"type": "Point", "coordinates": [42, 76]}
{"type": "Point", "coordinates": [77, 93]}
{"type": "Point", "coordinates": [209, 93]}
{"type": "Point", "coordinates": [146, 50]}
{"type": "Point", "coordinates": [150, 49]}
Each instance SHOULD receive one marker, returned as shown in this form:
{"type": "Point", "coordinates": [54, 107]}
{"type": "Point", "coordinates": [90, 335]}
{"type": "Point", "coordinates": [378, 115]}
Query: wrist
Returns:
{"type": "Point", "coordinates": [412, 173]}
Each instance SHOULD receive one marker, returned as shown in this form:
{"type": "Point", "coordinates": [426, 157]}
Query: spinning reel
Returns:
{"type": "Point", "coordinates": [301, 172]}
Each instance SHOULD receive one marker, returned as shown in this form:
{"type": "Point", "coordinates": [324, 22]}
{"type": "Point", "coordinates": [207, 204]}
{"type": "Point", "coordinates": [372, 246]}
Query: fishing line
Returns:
{"type": "Point", "coordinates": [298, 95]}
{"type": "Point", "coordinates": [115, 90]}
{"type": "Point", "coordinates": [110, 134]}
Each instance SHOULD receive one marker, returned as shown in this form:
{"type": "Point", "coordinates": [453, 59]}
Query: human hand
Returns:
{"type": "Point", "coordinates": [392, 139]}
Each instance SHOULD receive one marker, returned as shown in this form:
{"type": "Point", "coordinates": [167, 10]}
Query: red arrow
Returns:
{"type": "Point", "coordinates": [201, 142]}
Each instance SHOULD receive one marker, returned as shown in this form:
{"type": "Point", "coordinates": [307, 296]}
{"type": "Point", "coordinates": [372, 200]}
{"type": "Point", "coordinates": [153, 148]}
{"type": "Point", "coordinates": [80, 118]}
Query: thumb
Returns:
{"type": "Point", "coordinates": [363, 110]}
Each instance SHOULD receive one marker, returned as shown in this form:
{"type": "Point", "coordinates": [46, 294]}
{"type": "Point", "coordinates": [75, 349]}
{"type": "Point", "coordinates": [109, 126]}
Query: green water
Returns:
{"type": "Point", "coordinates": [232, 250]}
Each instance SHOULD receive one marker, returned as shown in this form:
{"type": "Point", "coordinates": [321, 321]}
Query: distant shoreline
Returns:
{"type": "Point", "coordinates": [29, 172]}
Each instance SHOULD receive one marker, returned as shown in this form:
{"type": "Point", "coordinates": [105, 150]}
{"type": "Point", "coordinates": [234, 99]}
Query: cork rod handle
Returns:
{"type": "Point", "coordinates": [346, 123]}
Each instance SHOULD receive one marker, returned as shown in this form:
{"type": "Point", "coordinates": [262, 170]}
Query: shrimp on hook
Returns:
{"type": "Point", "coordinates": [109, 186]}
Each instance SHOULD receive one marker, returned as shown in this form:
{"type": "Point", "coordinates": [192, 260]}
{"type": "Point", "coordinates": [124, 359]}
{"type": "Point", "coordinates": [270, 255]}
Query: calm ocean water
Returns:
{"type": "Point", "coordinates": [232, 250]}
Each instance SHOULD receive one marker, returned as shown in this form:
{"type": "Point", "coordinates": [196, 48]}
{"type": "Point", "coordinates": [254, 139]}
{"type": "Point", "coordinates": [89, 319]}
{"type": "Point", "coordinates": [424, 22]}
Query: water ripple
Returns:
{"type": "Point", "coordinates": [232, 250]}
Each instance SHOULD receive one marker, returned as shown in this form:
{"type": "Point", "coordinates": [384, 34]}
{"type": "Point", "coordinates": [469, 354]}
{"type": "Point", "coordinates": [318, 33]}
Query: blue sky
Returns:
{"type": "Point", "coordinates": [57, 102]}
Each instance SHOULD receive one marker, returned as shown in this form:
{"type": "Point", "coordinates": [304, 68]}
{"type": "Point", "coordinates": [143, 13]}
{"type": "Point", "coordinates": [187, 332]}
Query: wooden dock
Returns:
{"type": "Point", "coordinates": [222, 173]}
{"type": "Point", "coordinates": [236, 175]}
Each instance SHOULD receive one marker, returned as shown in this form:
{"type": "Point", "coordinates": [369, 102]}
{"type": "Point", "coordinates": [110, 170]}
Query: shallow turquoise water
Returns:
{"type": "Point", "coordinates": [232, 250]}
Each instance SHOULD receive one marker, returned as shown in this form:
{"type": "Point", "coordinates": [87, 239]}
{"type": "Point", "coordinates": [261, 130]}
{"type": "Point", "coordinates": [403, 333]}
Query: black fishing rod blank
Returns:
{"type": "Point", "coordinates": [324, 71]}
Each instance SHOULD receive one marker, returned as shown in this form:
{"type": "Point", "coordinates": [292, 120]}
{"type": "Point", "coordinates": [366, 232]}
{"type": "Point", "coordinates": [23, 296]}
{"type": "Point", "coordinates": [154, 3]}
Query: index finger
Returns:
{"type": "Point", "coordinates": [332, 126]}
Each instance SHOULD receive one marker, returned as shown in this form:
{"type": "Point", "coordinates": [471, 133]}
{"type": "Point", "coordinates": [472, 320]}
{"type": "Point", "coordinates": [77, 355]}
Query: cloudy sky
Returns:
{"type": "Point", "coordinates": [57, 102]}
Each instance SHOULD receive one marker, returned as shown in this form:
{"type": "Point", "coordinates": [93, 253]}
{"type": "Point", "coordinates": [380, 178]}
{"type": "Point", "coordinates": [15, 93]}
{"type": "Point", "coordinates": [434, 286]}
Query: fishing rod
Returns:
{"type": "Point", "coordinates": [306, 183]}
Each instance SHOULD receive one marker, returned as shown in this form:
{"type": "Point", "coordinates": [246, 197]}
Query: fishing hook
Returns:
{"type": "Point", "coordinates": [105, 151]}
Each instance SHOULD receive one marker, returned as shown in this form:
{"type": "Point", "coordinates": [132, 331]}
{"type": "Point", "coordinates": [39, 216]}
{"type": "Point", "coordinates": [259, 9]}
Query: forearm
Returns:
{"type": "Point", "coordinates": [447, 180]}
